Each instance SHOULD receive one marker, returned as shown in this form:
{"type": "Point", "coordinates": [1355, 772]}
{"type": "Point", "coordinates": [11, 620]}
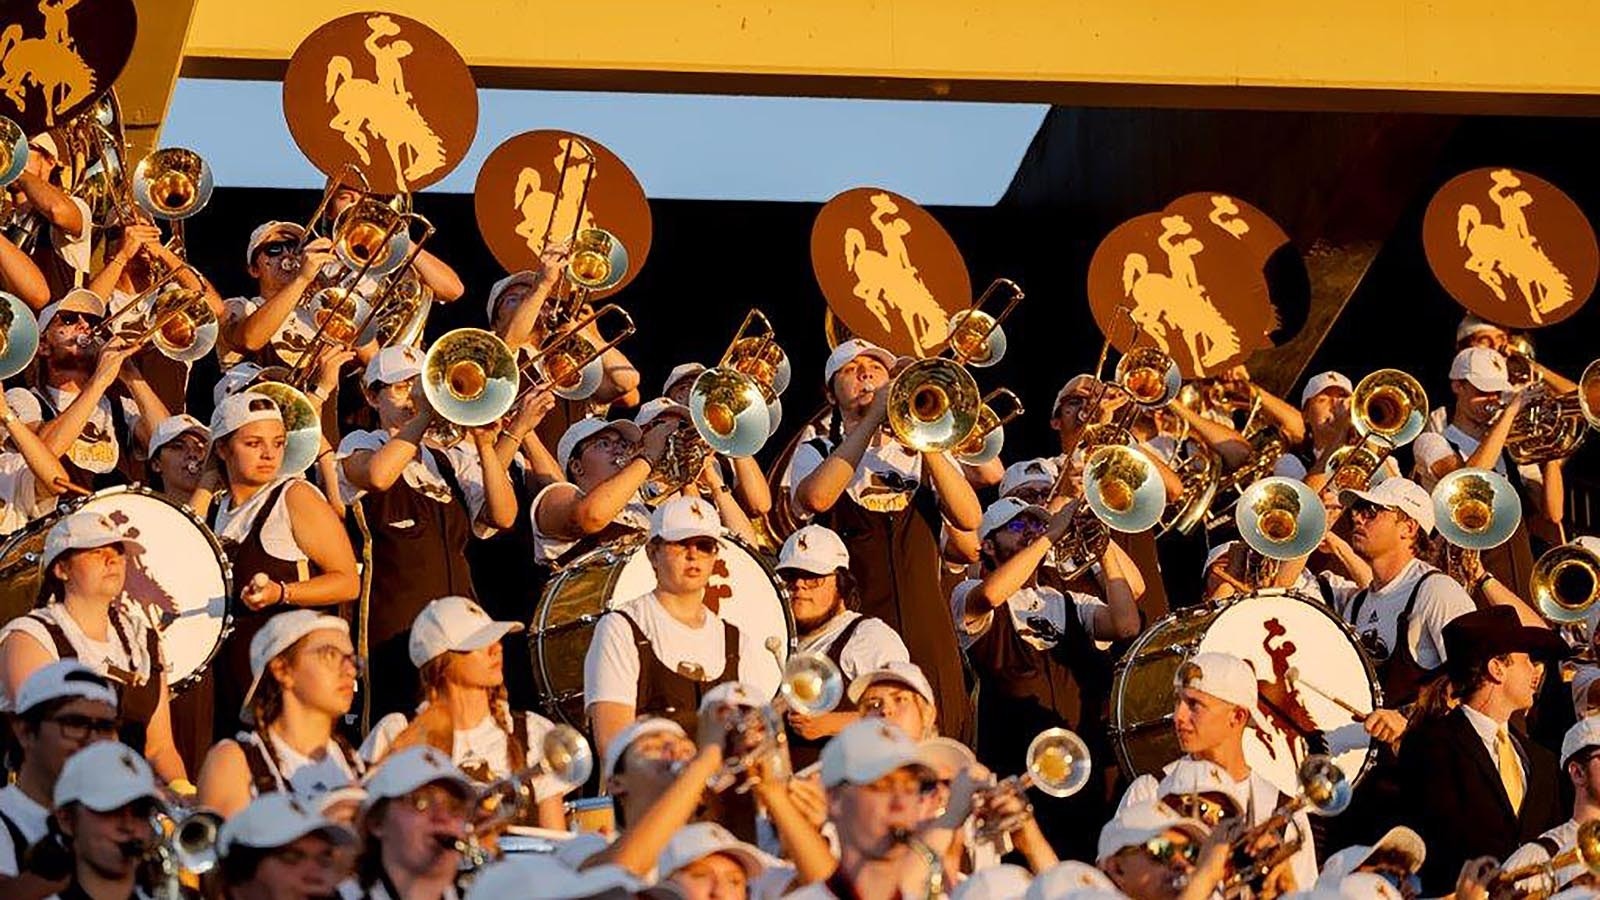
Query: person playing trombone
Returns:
{"type": "Point", "coordinates": [283, 270]}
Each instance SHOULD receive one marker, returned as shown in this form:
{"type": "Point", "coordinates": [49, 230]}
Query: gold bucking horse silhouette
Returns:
{"type": "Point", "coordinates": [50, 62]}
{"type": "Point", "coordinates": [382, 107]}
{"type": "Point", "coordinates": [540, 217]}
{"type": "Point", "coordinates": [887, 279]}
{"type": "Point", "coordinates": [1510, 249]}
{"type": "Point", "coordinates": [1177, 301]}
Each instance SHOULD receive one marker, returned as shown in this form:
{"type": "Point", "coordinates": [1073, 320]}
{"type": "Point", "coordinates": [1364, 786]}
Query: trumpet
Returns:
{"type": "Point", "coordinates": [1084, 542]}
{"type": "Point", "coordinates": [812, 685]}
{"type": "Point", "coordinates": [975, 335]}
{"type": "Point", "coordinates": [1585, 851]}
{"type": "Point", "coordinates": [564, 755]}
{"type": "Point", "coordinates": [1565, 583]}
{"type": "Point", "coordinates": [1391, 404]}
{"type": "Point", "coordinates": [732, 404]}
{"type": "Point", "coordinates": [1058, 763]}
{"type": "Point", "coordinates": [184, 841]}
{"type": "Point", "coordinates": [988, 436]}
{"type": "Point", "coordinates": [1324, 790]}
{"type": "Point", "coordinates": [1554, 426]}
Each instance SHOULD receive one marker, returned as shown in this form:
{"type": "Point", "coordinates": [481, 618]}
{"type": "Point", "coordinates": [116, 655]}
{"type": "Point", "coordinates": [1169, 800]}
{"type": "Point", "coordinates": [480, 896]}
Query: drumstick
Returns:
{"type": "Point", "coordinates": [1293, 676]}
{"type": "Point", "coordinates": [63, 484]}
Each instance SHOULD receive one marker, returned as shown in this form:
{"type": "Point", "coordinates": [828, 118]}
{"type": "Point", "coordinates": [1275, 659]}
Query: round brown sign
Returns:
{"type": "Point", "coordinates": [59, 56]}
{"type": "Point", "coordinates": [531, 192]}
{"type": "Point", "coordinates": [889, 271]}
{"type": "Point", "coordinates": [1510, 247]}
{"type": "Point", "coordinates": [385, 93]}
{"type": "Point", "coordinates": [1268, 246]}
{"type": "Point", "coordinates": [1191, 281]}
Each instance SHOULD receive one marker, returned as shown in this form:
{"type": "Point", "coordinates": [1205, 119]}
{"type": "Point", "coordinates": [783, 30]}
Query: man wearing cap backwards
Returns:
{"type": "Point", "coordinates": [1580, 749]}
{"type": "Point", "coordinates": [417, 805]}
{"type": "Point", "coordinates": [1469, 785]}
{"type": "Point", "coordinates": [103, 802]}
{"type": "Point", "coordinates": [659, 653]}
{"type": "Point", "coordinates": [1480, 422]}
{"type": "Point", "coordinates": [888, 503]}
{"type": "Point", "coordinates": [284, 272]}
{"type": "Point", "coordinates": [62, 221]}
{"type": "Point", "coordinates": [63, 708]}
{"type": "Point", "coordinates": [815, 566]}
{"type": "Point", "coordinates": [1214, 703]}
{"type": "Point", "coordinates": [278, 848]}
{"type": "Point", "coordinates": [605, 463]}
{"type": "Point", "coordinates": [1037, 650]}
{"type": "Point", "coordinates": [422, 505]}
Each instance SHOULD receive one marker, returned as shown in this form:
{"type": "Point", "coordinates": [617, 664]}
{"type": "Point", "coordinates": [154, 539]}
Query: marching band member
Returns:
{"type": "Point", "coordinates": [287, 547]}
{"type": "Point", "coordinates": [62, 250]}
{"type": "Point", "coordinates": [680, 381]}
{"type": "Point", "coordinates": [1215, 703]}
{"type": "Point", "coordinates": [464, 712]}
{"type": "Point", "coordinates": [31, 476]}
{"type": "Point", "coordinates": [303, 680]}
{"type": "Point", "coordinates": [640, 764]}
{"type": "Point", "coordinates": [815, 565]}
{"type": "Point", "coordinates": [103, 803]}
{"type": "Point", "coordinates": [20, 276]}
{"type": "Point", "coordinates": [83, 614]}
{"type": "Point", "coordinates": [417, 804]}
{"type": "Point", "coordinates": [899, 693]}
{"type": "Point", "coordinates": [516, 309]}
{"type": "Point", "coordinates": [1579, 750]}
{"type": "Point", "coordinates": [176, 456]}
{"type": "Point", "coordinates": [659, 653]}
{"type": "Point", "coordinates": [61, 708]}
{"type": "Point", "coordinates": [664, 415]}
{"type": "Point", "coordinates": [861, 483]}
{"type": "Point", "coordinates": [705, 861]}
{"type": "Point", "coordinates": [283, 272]}
{"type": "Point", "coordinates": [1149, 853]}
{"type": "Point", "coordinates": [279, 849]}
{"type": "Point", "coordinates": [421, 506]}
{"type": "Point", "coordinates": [605, 463]}
{"type": "Point", "coordinates": [1030, 480]}
{"type": "Point", "coordinates": [1325, 412]}
{"type": "Point", "coordinates": [1396, 857]}
{"type": "Point", "coordinates": [1468, 784]}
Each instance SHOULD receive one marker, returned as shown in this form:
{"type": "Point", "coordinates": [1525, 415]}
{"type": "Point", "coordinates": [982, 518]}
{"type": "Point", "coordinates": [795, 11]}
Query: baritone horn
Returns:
{"type": "Point", "coordinates": [812, 685]}
{"type": "Point", "coordinates": [1150, 378]}
{"type": "Point", "coordinates": [975, 335]}
{"type": "Point", "coordinates": [988, 436]}
{"type": "Point", "coordinates": [734, 404]}
{"type": "Point", "coordinates": [1280, 518]}
{"type": "Point", "coordinates": [19, 335]}
{"type": "Point", "coordinates": [470, 377]}
{"type": "Point", "coordinates": [1554, 426]}
{"type": "Point", "coordinates": [1476, 509]}
{"type": "Point", "coordinates": [1390, 404]}
{"type": "Point", "coordinates": [1565, 582]}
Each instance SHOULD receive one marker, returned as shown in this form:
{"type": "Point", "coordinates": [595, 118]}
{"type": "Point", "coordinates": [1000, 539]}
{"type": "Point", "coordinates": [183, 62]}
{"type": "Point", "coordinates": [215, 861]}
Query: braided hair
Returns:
{"type": "Point", "coordinates": [432, 726]}
{"type": "Point", "coordinates": [266, 707]}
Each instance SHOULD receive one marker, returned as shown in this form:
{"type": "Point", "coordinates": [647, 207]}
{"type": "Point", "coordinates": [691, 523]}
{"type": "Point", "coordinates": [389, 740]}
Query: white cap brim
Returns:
{"type": "Point", "coordinates": [129, 545]}
{"type": "Point", "coordinates": [488, 634]}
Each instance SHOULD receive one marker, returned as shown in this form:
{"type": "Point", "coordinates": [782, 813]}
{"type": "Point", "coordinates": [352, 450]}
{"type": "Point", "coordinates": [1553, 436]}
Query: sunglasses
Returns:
{"type": "Point", "coordinates": [704, 546]}
{"type": "Point", "coordinates": [797, 578]}
{"type": "Point", "coordinates": [69, 318]}
{"type": "Point", "coordinates": [1164, 850]}
{"type": "Point", "coordinates": [275, 249]}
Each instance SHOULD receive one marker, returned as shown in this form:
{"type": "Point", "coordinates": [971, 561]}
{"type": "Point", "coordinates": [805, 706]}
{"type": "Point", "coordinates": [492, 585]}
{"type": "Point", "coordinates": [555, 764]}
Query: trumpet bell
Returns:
{"type": "Point", "coordinates": [1476, 509]}
{"type": "Point", "coordinates": [1150, 378]}
{"type": "Point", "coordinates": [172, 184]}
{"type": "Point", "coordinates": [976, 337]}
{"type": "Point", "coordinates": [19, 335]}
{"type": "Point", "coordinates": [1059, 763]}
{"type": "Point", "coordinates": [566, 755]}
{"type": "Point", "coordinates": [933, 405]}
{"type": "Point", "coordinates": [194, 841]}
{"type": "Point", "coordinates": [1565, 583]}
{"type": "Point", "coordinates": [1326, 788]}
{"type": "Point", "coordinates": [1280, 518]}
{"type": "Point", "coordinates": [1391, 404]}
{"type": "Point", "coordinates": [300, 422]}
{"type": "Point", "coordinates": [598, 260]}
{"type": "Point", "coordinates": [470, 377]}
{"type": "Point", "coordinates": [14, 143]}
{"type": "Point", "coordinates": [812, 684]}
{"type": "Point", "coordinates": [1123, 488]}
{"type": "Point", "coordinates": [730, 411]}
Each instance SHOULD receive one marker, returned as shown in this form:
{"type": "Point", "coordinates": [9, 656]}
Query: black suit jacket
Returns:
{"type": "Point", "coordinates": [1452, 795]}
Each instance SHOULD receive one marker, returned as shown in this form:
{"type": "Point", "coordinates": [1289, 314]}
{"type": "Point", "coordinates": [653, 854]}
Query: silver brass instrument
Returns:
{"type": "Point", "coordinates": [563, 754]}
{"type": "Point", "coordinates": [1353, 466]}
{"type": "Point", "coordinates": [171, 185]}
{"type": "Point", "coordinates": [14, 146]}
{"type": "Point", "coordinates": [1279, 519]}
{"type": "Point", "coordinates": [988, 436]}
{"type": "Point", "coordinates": [1521, 366]}
{"type": "Point", "coordinates": [19, 335]}
{"type": "Point", "coordinates": [1123, 488]}
{"type": "Point", "coordinates": [302, 426]}
{"type": "Point", "coordinates": [184, 841]}
{"type": "Point", "coordinates": [1475, 510]}
{"type": "Point", "coordinates": [1058, 763]}
{"type": "Point", "coordinates": [1565, 583]}
{"type": "Point", "coordinates": [1150, 378]}
{"type": "Point", "coordinates": [732, 403]}
{"type": "Point", "coordinates": [107, 326]}
{"type": "Point", "coordinates": [1324, 790]}
{"type": "Point", "coordinates": [812, 685]}
{"type": "Point", "coordinates": [1553, 426]}
{"type": "Point", "coordinates": [184, 327]}
{"type": "Point", "coordinates": [975, 335]}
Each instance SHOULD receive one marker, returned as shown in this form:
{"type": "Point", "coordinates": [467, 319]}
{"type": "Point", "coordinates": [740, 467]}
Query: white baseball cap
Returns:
{"type": "Point", "coordinates": [454, 624]}
{"type": "Point", "coordinates": [1402, 494]}
{"type": "Point", "coordinates": [1584, 734]}
{"type": "Point", "coordinates": [1041, 470]}
{"type": "Point", "coordinates": [526, 276]}
{"type": "Point", "coordinates": [948, 755]}
{"type": "Point", "coordinates": [1471, 325]}
{"type": "Point", "coordinates": [105, 776]}
{"type": "Point", "coordinates": [648, 412]}
{"type": "Point", "coordinates": [403, 771]}
{"type": "Point", "coordinates": [732, 693]}
{"type": "Point", "coordinates": [699, 840]}
{"type": "Point", "coordinates": [1078, 880]}
{"type": "Point", "coordinates": [540, 876]}
{"type": "Point", "coordinates": [848, 350]}
{"type": "Point", "coordinates": [1066, 389]}
{"type": "Point", "coordinates": [638, 728]}
{"type": "Point", "coordinates": [999, 513]}
{"type": "Point", "coordinates": [899, 672]}
{"type": "Point", "coordinates": [279, 634]}
{"type": "Point", "coordinates": [278, 819]}
{"type": "Point", "coordinates": [84, 530]}
{"type": "Point", "coordinates": [1482, 368]}
{"type": "Point", "coordinates": [1348, 860]}
{"type": "Point", "coordinates": [61, 679]}
{"type": "Point", "coordinates": [1325, 381]}
{"type": "Point", "coordinates": [234, 380]}
{"type": "Point", "coordinates": [817, 549]}
{"type": "Point", "coordinates": [45, 142]}
{"type": "Point", "coordinates": [78, 300]}
{"type": "Point", "coordinates": [1137, 824]}
{"type": "Point", "coordinates": [238, 410]}
{"type": "Point", "coordinates": [1360, 886]}
{"type": "Point", "coordinates": [682, 518]}
{"type": "Point", "coordinates": [1582, 680]}
{"type": "Point", "coordinates": [586, 428]}
{"type": "Point", "coordinates": [1002, 882]}
{"type": "Point", "coordinates": [392, 365]}
{"type": "Point", "coordinates": [1225, 677]}
{"type": "Point", "coordinates": [172, 426]}
{"type": "Point", "coordinates": [679, 373]}
{"type": "Point", "coordinates": [267, 231]}
{"type": "Point", "coordinates": [867, 750]}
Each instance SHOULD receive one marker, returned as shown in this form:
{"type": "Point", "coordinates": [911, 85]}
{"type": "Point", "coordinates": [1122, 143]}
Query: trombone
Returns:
{"type": "Point", "coordinates": [1554, 426]}
{"type": "Point", "coordinates": [564, 755]}
{"type": "Point", "coordinates": [1475, 510]}
{"type": "Point", "coordinates": [1565, 583]}
{"type": "Point", "coordinates": [734, 404]}
{"type": "Point", "coordinates": [975, 335]}
{"type": "Point", "coordinates": [106, 328]}
{"type": "Point", "coordinates": [597, 259]}
{"type": "Point", "coordinates": [171, 185]}
{"type": "Point", "coordinates": [933, 405]}
{"type": "Point", "coordinates": [1585, 851]}
{"type": "Point", "coordinates": [309, 232]}
{"type": "Point", "coordinates": [988, 435]}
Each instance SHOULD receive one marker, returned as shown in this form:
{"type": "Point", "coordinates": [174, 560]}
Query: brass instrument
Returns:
{"type": "Point", "coordinates": [1149, 377]}
{"type": "Point", "coordinates": [1553, 426]}
{"type": "Point", "coordinates": [1200, 469]}
{"type": "Point", "coordinates": [1324, 790]}
{"type": "Point", "coordinates": [732, 404]}
{"type": "Point", "coordinates": [107, 326]}
{"type": "Point", "coordinates": [681, 463]}
{"type": "Point", "coordinates": [1390, 404]}
{"type": "Point", "coordinates": [1353, 466]}
{"type": "Point", "coordinates": [571, 363]}
{"type": "Point", "coordinates": [1565, 583]}
{"type": "Point", "coordinates": [97, 144]}
{"type": "Point", "coordinates": [19, 335]}
{"type": "Point", "coordinates": [1123, 488]}
{"type": "Point", "coordinates": [1521, 367]}
{"type": "Point", "coordinates": [976, 336]}
{"type": "Point", "coordinates": [184, 841]}
{"type": "Point", "coordinates": [184, 327]}
{"type": "Point", "coordinates": [371, 238]}
{"type": "Point", "coordinates": [1058, 763]}
{"type": "Point", "coordinates": [1280, 518]}
{"type": "Point", "coordinates": [311, 230]}
{"type": "Point", "coordinates": [14, 144]}
{"type": "Point", "coordinates": [1084, 542]}
{"type": "Point", "coordinates": [1585, 851]}
{"type": "Point", "coordinates": [302, 426]}
{"type": "Point", "coordinates": [933, 405]}
{"type": "Point", "coordinates": [988, 436]}
{"type": "Point", "coordinates": [598, 260]}
{"type": "Point", "coordinates": [1476, 509]}
{"type": "Point", "coordinates": [563, 754]}
{"type": "Point", "coordinates": [170, 185]}
{"type": "Point", "coordinates": [812, 685]}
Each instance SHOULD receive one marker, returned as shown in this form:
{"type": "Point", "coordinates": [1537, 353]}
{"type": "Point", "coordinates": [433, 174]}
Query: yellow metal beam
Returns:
{"type": "Point", "coordinates": [1461, 55]}
{"type": "Point", "coordinates": [145, 86]}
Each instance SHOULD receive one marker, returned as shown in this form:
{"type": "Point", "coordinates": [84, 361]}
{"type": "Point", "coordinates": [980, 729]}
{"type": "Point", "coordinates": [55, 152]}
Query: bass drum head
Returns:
{"type": "Point", "coordinates": [19, 566]}
{"type": "Point", "coordinates": [1141, 691]}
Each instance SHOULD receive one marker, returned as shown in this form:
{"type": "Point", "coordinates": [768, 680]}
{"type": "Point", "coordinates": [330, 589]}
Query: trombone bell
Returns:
{"type": "Point", "coordinates": [598, 260]}
{"type": "Point", "coordinates": [975, 335]}
{"type": "Point", "coordinates": [1123, 488]}
{"type": "Point", "coordinates": [730, 412]}
{"type": "Point", "coordinates": [470, 377]}
{"type": "Point", "coordinates": [1150, 378]}
{"type": "Point", "coordinates": [1565, 583]}
{"type": "Point", "coordinates": [1280, 518]}
{"type": "Point", "coordinates": [1476, 509]}
{"type": "Point", "coordinates": [933, 405]}
{"type": "Point", "coordinates": [369, 236]}
{"type": "Point", "coordinates": [172, 184]}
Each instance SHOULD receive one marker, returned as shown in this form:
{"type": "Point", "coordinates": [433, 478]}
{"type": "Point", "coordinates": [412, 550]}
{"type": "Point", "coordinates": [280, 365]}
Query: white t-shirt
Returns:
{"type": "Point", "coordinates": [873, 646]}
{"type": "Point", "coordinates": [277, 534]}
{"type": "Point", "coordinates": [96, 449]}
{"type": "Point", "coordinates": [1440, 600]}
{"type": "Point", "coordinates": [887, 477]}
{"type": "Point", "coordinates": [484, 745]}
{"type": "Point", "coordinates": [20, 501]}
{"type": "Point", "coordinates": [1291, 466]}
{"type": "Point", "coordinates": [30, 818]}
{"type": "Point", "coordinates": [1564, 835]}
{"type": "Point", "coordinates": [1430, 447]}
{"type": "Point", "coordinates": [299, 773]}
{"type": "Point", "coordinates": [1038, 613]}
{"type": "Point", "coordinates": [423, 475]}
{"type": "Point", "coordinates": [611, 667]}
{"type": "Point", "coordinates": [548, 548]}
{"type": "Point", "coordinates": [77, 249]}
{"type": "Point", "coordinates": [99, 656]}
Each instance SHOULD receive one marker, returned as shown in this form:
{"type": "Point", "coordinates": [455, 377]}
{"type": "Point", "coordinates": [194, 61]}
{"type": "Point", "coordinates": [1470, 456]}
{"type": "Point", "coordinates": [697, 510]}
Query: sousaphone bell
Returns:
{"type": "Point", "coordinates": [19, 335]}
{"type": "Point", "coordinates": [1281, 518]}
{"type": "Point", "coordinates": [1123, 488]}
{"type": "Point", "coordinates": [470, 377]}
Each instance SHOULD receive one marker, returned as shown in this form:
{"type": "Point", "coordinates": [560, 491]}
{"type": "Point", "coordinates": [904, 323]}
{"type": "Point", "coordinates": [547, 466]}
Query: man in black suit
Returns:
{"type": "Point", "coordinates": [1470, 786]}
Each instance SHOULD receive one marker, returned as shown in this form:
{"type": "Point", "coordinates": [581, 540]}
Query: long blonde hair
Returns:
{"type": "Point", "coordinates": [432, 726]}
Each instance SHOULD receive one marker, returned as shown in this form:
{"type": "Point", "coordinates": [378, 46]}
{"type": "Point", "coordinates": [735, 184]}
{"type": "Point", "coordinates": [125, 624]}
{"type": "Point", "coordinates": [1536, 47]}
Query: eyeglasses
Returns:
{"type": "Point", "coordinates": [293, 856]}
{"type": "Point", "coordinates": [1164, 849]}
{"type": "Point", "coordinates": [705, 546]}
{"type": "Point", "coordinates": [1023, 525]}
{"type": "Point", "coordinates": [332, 657]}
{"type": "Point", "coordinates": [75, 727]}
{"type": "Point", "coordinates": [797, 578]}
{"type": "Point", "coordinates": [275, 249]}
{"type": "Point", "coordinates": [435, 800]}
{"type": "Point", "coordinates": [902, 783]}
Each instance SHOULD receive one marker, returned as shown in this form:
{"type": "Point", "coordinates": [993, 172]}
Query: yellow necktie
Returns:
{"type": "Point", "coordinates": [1510, 768]}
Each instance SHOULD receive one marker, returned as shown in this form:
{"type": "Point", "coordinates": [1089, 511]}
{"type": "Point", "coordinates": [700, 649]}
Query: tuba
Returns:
{"type": "Point", "coordinates": [1281, 518]}
{"type": "Point", "coordinates": [976, 336]}
{"type": "Point", "coordinates": [734, 404]}
{"type": "Point", "coordinates": [1553, 426]}
{"type": "Point", "coordinates": [1565, 583]}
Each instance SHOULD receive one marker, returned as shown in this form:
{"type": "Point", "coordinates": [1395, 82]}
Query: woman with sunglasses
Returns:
{"type": "Point", "coordinates": [83, 614]}
{"type": "Point", "coordinates": [287, 546]}
{"type": "Point", "coordinates": [303, 680]}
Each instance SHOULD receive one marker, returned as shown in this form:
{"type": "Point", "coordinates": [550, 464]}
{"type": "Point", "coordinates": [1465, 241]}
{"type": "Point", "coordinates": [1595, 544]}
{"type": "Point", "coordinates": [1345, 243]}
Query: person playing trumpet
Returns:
{"type": "Point", "coordinates": [1580, 750]}
{"type": "Point", "coordinates": [604, 464]}
{"type": "Point", "coordinates": [667, 416]}
{"type": "Point", "coordinates": [418, 807]}
{"type": "Point", "coordinates": [101, 818]}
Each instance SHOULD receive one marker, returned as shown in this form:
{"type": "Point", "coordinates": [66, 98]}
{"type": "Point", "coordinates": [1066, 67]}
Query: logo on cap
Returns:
{"type": "Point", "coordinates": [800, 543]}
{"type": "Point", "coordinates": [694, 510]}
{"type": "Point", "coordinates": [127, 760]}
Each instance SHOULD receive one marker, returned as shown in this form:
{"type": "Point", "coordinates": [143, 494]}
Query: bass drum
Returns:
{"type": "Point", "coordinates": [744, 589]}
{"type": "Point", "coordinates": [180, 583]}
{"type": "Point", "coordinates": [1274, 631]}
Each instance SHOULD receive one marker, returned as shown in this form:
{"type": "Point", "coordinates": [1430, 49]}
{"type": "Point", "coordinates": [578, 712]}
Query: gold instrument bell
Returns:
{"type": "Point", "coordinates": [1280, 518]}
{"type": "Point", "coordinates": [812, 685]}
{"type": "Point", "coordinates": [14, 144]}
{"type": "Point", "coordinates": [371, 237]}
{"type": "Point", "coordinates": [733, 404]}
{"type": "Point", "coordinates": [976, 337]}
{"type": "Point", "coordinates": [933, 405]}
{"type": "Point", "coordinates": [1353, 466]}
{"type": "Point", "coordinates": [988, 436]}
{"type": "Point", "coordinates": [598, 260]}
{"type": "Point", "coordinates": [571, 363]}
{"type": "Point", "coordinates": [172, 184]}
{"type": "Point", "coordinates": [1554, 426]}
{"type": "Point", "coordinates": [1150, 378]}
{"type": "Point", "coordinates": [1565, 582]}
{"type": "Point", "coordinates": [184, 327]}
{"type": "Point", "coordinates": [1123, 488]}
{"type": "Point", "coordinates": [1476, 509]}
{"type": "Point", "coordinates": [1059, 763]}
{"type": "Point", "coordinates": [470, 377]}
{"type": "Point", "coordinates": [1390, 404]}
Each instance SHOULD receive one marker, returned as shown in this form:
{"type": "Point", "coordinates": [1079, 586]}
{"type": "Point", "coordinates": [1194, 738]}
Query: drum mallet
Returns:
{"type": "Point", "coordinates": [1293, 676]}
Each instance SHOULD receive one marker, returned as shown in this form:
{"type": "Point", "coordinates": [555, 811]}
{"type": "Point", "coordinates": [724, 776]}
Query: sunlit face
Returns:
{"type": "Point", "coordinates": [412, 829]}
{"type": "Point", "coordinates": [320, 671]}
{"type": "Point", "coordinates": [276, 261]}
{"type": "Point", "coordinates": [1323, 409]}
{"type": "Point", "coordinates": [869, 816]}
{"type": "Point", "coordinates": [717, 876]}
{"type": "Point", "coordinates": [179, 461]}
{"type": "Point", "coordinates": [1204, 722]}
{"type": "Point", "coordinates": [97, 572]}
{"type": "Point", "coordinates": [506, 305]}
{"type": "Point", "coordinates": [1489, 338]}
{"type": "Point", "coordinates": [1083, 403]}
{"type": "Point", "coordinates": [1156, 869]}
{"type": "Point", "coordinates": [813, 599]}
{"type": "Point", "coordinates": [301, 870]}
{"type": "Point", "coordinates": [855, 383]}
{"type": "Point", "coordinates": [901, 706]}
{"type": "Point", "coordinates": [1376, 530]}
{"type": "Point", "coordinates": [481, 668]}
{"type": "Point", "coordinates": [1519, 676]}
{"type": "Point", "coordinates": [1480, 408]}
{"type": "Point", "coordinates": [67, 340]}
{"type": "Point", "coordinates": [254, 453]}
{"type": "Point", "coordinates": [683, 567]}
{"type": "Point", "coordinates": [648, 766]}
{"type": "Point", "coordinates": [600, 457]}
